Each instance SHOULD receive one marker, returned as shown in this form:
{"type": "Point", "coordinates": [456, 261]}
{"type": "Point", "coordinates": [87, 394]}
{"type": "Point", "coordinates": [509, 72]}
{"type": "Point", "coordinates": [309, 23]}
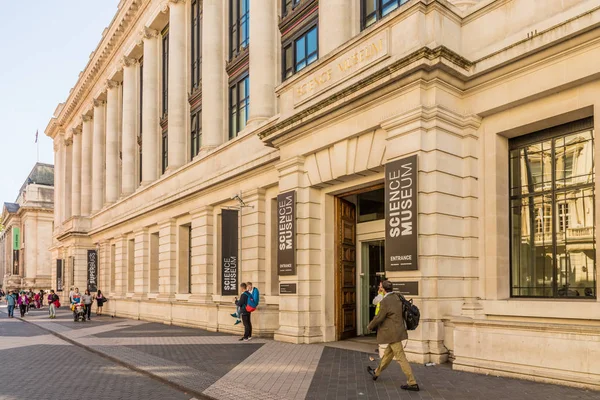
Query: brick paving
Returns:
{"type": "Point", "coordinates": [218, 366]}
{"type": "Point", "coordinates": [39, 365]}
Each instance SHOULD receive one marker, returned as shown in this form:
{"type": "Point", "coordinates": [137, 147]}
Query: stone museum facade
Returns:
{"type": "Point", "coordinates": [316, 147]}
{"type": "Point", "coordinates": [25, 257]}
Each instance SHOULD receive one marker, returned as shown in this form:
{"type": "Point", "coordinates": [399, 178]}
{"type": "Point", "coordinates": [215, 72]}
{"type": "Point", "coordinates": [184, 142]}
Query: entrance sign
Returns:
{"type": "Point", "coordinates": [92, 270]}
{"type": "Point", "coordinates": [401, 215]}
{"type": "Point", "coordinates": [229, 252]}
{"type": "Point", "coordinates": [59, 275]}
{"type": "Point", "coordinates": [406, 288]}
{"type": "Point", "coordinates": [287, 288]}
{"type": "Point", "coordinates": [286, 233]}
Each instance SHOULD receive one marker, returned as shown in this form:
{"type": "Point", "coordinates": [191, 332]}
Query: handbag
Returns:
{"type": "Point", "coordinates": [57, 304]}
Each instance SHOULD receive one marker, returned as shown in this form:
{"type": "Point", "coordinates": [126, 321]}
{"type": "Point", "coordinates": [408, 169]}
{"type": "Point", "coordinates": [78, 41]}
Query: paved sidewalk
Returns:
{"type": "Point", "coordinates": [219, 366]}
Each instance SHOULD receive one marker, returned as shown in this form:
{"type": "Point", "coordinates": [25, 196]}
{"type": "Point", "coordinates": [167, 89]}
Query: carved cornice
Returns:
{"type": "Point", "coordinates": [99, 103]}
{"type": "Point", "coordinates": [113, 37]}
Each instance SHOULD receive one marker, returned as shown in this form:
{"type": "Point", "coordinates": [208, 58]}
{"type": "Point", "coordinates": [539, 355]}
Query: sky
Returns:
{"type": "Point", "coordinates": [46, 43]}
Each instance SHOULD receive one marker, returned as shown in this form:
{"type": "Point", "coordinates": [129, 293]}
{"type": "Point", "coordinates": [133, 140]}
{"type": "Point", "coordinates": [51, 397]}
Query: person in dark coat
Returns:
{"type": "Point", "coordinates": [392, 330]}
{"type": "Point", "coordinates": [241, 303]}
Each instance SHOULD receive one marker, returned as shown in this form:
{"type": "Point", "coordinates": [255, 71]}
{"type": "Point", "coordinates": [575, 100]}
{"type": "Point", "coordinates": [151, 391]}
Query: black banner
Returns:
{"type": "Point", "coordinates": [401, 215]}
{"type": "Point", "coordinates": [286, 233]}
{"type": "Point", "coordinates": [229, 252]}
{"type": "Point", "coordinates": [92, 270]}
{"type": "Point", "coordinates": [59, 275]}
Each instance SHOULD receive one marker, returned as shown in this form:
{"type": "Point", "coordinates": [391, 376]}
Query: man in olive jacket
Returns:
{"type": "Point", "coordinates": [391, 330]}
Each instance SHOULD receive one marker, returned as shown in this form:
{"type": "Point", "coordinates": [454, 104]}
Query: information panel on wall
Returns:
{"type": "Point", "coordinates": [92, 270]}
{"type": "Point", "coordinates": [401, 232]}
{"type": "Point", "coordinates": [59, 275]}
{"type": "Point", "coordinates": [286, 233]}
{"type": "Point", "coordinates": [229, 252]}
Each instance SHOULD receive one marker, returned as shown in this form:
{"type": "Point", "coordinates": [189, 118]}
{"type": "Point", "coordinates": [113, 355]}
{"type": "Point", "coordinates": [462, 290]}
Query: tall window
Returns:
{"type": "Point", "coordinates": [373, 10]}
{"type": "Point", "coordinates": [141, 114]}
{"type": "Point", "coordinates": [196, 44]}
{"type": "Point", "coordinates": [300, 51]}
{"type": "Point", "coordinates": [239, 26]}
{"type": "Point", "coordinates": [552, 213]}
{"type": "Point", "coordinates": [165, 71]}
{"type": "Point", "coordinates": [288, 5]}
{"type": "Point", "coordinates": [239, 100]}
{"type": "Point", "coordinates": [164, 159]}
{"type": "Point", "coordinates": [196, 136]}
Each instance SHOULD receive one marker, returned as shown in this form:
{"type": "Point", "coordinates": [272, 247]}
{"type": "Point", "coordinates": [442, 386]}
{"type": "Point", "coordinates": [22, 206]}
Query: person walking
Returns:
{"type": "Point", "coordinates": [88, 300]}
{"type": "Point", "coordinates": [241, 303]}
{"type": "Point", "coordinates": [100, 299]}
{"type": "Point", "coordinates": [392, 331]}
{"type": "Point", "coordinates": [23, 302]}
{"type": "Point", "coordinates": [52, 299]}
{"type": "Point", "coordinates": [10, 302]}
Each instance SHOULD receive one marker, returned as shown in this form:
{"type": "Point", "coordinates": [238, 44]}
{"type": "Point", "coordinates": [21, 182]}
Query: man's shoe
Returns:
{"type": "Point", "coordinates": [371, 372]}
{"type": "Point", "coordinates": [411, 388]}
{"type": "Point", "coordinates": [249, 337]}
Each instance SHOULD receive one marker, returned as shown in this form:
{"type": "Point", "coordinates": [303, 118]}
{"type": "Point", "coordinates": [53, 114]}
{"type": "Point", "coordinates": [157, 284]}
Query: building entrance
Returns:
{"type": "Point", "coordinates": [359, 256]}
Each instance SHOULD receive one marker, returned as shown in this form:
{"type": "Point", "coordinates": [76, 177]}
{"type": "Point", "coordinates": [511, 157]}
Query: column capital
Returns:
{"type": "Point", "coordinates": [110, 84]}
{"type": "Point", "coordinates": [68, 141]}
{"type": "Point", "coordinates": [148, 33]}
{"type": "Point", "coordinates": [129, 62]}
{"type": "Point", "coordinates": [176, 1]}
{"type": "Point", "coordinates": [86, 118]}
{"type": "Point", "coordinates": [99, 103]}
{"type": "Point", "coordinates": [76, 131]}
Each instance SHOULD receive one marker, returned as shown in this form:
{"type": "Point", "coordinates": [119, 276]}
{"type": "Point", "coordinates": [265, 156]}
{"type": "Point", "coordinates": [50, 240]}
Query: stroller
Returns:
{"type": "Point", "coordinates": [78, 312]}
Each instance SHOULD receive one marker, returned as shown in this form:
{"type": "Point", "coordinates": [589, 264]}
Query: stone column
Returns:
{"type": "Point", "coordinates": [120, 266]}
{"type": "Point", "coordinates": [150, 108]}
{"type": "Point", "coordinates": [112, 142]}
{"type": "Point", "coordinates": [57, 179]}
{"type": "Point", "coordinates": [130, 116]}
{"type": "Point", "coordinates": [98, 160]}
{"type": "Point", "coordinates": [67, 178]}
{"type": "Point", "coordinates": [253, 238]}
{"type": "Point", "coordinates": [335, 27]}
{"type": "Point", "coordinates": [214, 87]}
{"type": "Point", "coordinates": [87, 133]}
{"type": "Point", "coordinates": [76, 174]}
{"type": "Point", "coordinates": [264, 37]}
{"type": "Point", "coordinates": [142, 257]}
{"type": "Point", "coordinates": [167, 277]}
{"type": "Point", "coordinates": [202, 254]}
{"type": "Point", "coordinates": [178, 105]}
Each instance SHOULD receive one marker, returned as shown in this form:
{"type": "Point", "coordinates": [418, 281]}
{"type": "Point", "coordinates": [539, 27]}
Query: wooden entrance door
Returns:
{"type": "Point", "coordinates": [345, 269]}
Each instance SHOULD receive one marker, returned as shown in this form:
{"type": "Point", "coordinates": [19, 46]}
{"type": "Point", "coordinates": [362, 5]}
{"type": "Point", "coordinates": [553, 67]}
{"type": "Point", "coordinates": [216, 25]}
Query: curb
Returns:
{"type": "Point", "coordinates": [197, 395]}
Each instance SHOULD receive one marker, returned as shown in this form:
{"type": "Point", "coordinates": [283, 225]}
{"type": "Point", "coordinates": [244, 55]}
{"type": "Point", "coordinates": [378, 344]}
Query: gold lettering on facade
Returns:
{"type": "Point", "coordinates": [314, 83]}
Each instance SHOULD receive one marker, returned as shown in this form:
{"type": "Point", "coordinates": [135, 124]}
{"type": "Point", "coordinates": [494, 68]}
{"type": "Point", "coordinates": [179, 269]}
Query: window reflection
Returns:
{"type": "Point", "coordinates": [552, 217]}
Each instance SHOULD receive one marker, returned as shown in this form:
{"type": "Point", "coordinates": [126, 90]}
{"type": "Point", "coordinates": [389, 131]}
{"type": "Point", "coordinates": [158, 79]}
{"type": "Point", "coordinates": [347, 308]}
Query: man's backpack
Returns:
{"type": "Point", "coordinates": [411, 314]}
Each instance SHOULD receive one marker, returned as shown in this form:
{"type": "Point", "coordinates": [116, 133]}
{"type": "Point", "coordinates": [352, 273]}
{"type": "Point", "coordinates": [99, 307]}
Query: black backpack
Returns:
{"type": "Point", "coordinates": [411, 313]}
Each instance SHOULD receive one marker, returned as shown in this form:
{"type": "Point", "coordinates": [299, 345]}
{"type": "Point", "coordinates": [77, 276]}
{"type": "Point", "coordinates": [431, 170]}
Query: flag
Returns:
{"type": "Point", "coordinates": [36, 135]}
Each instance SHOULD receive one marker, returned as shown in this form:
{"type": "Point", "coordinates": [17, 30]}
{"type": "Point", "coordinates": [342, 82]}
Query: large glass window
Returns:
{"type": "Point", "coordinates": [373, 10]}
{"type": "Point", "coordinates": [239, 101]}
{"type": "Point", "coordinates": [164, 151]}
{"type": "Point", "coordinates": [196, 135]}
{"type": "Point", "coordinates": [239, 28]}
{"type": "Point", "coordinates": [552, 213]}
{"type": "Point", "coordinates": [196, 44]}
{"type": "Point", "coordinates": [300, 52]}
{"type": "Point", "coordinates": [165, 72]}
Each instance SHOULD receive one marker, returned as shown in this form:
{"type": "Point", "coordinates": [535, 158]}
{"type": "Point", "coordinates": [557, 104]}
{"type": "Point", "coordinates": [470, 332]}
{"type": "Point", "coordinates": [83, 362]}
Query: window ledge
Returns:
{"type": "Point", "coordinates": [237, 63]}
